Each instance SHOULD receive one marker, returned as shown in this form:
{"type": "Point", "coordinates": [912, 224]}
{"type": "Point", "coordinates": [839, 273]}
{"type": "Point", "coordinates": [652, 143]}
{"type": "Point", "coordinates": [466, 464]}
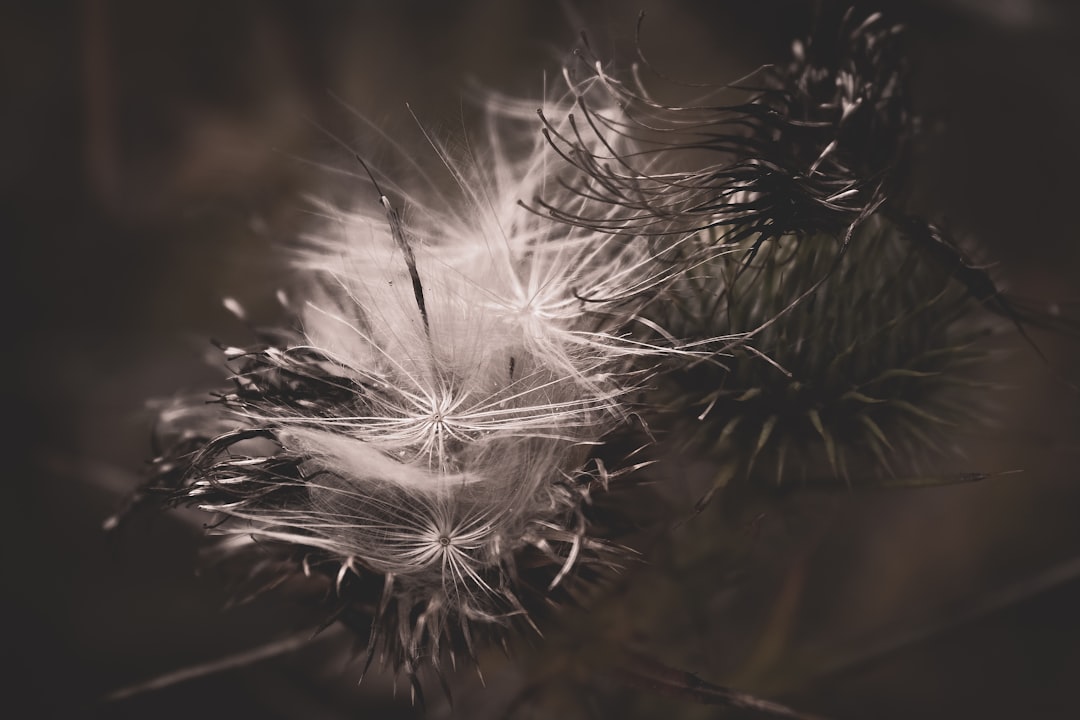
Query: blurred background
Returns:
{"type": "Point", "coordinates": [156, 157]}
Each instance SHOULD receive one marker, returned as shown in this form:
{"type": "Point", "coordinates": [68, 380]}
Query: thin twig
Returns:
{"type": "Point", "coordinates": [987, 605]}
{"type": "Point", "coordinates": [646, 672]}
{"type": "Point", "coordinates": [276, 648]}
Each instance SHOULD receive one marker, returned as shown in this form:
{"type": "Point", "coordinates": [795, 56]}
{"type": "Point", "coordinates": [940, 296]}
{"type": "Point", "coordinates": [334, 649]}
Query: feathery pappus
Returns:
{"type": "Point", "coordinates": [422, 436]}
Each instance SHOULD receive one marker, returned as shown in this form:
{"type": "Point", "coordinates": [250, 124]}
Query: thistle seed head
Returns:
{"type": "Point", "coordinates": [421, 437]}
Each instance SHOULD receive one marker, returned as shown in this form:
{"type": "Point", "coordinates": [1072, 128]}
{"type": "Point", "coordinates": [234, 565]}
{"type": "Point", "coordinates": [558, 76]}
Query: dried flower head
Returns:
{"type": "Point", "coordinates": [799, 149]}
{"type": "Point", "coordinates": [813, 147]}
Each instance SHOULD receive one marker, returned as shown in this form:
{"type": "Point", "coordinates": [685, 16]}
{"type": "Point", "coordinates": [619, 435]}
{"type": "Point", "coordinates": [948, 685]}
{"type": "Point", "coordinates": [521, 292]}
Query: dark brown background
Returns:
{"type": "Point", "coordinates": [153, 160]}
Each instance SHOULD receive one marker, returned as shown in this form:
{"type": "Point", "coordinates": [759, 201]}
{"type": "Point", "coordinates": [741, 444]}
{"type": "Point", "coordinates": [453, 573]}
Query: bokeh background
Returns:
{"type": "Point", "coordinates": [155, 157]}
